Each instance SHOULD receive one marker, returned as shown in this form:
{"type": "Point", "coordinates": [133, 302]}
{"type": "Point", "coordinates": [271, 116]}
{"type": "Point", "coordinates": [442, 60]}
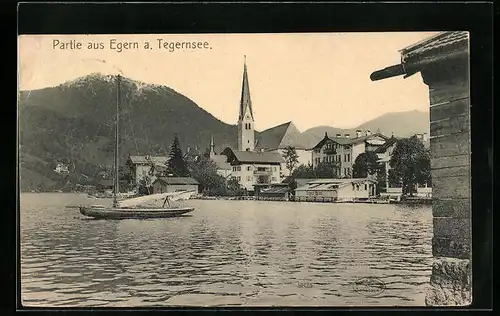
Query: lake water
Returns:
{"type": "Point", "coordinates": [242, 253]}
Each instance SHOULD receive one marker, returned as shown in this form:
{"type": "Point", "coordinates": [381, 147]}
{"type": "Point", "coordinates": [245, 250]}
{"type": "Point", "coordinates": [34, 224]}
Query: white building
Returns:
{"type": "Point", "coordinates": [250, 167]}
{"type": "Point", "coordinates": [384, 154]}
{"type": "Point", "coordinates": [344, 149]}
{"type": "Point", "coordinates": [278, 138]}
{"type": "Point", "coordinates": [61, 168]}
{"type": "Point", "coordinates": [152, 166]}
{"type": "Point", "coordinates": [336, 190]}
{"type": "Point", "coordinates": [224, 169]}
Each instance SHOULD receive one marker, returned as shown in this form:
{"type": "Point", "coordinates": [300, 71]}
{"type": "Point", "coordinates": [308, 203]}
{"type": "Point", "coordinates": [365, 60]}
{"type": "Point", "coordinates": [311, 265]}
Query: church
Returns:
{"type": "Point", "coordinates": [258, 158]}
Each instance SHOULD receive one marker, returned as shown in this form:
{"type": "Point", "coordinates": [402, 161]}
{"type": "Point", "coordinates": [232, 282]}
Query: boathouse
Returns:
{"type": "Point", "coordinates": [174, 184]}
{"type": "Point", "coordinates": [336, 190]}
{"type": "Point", "coordinates": [443, 62]}
{"type": "Point", "coordinates": [272, 192]}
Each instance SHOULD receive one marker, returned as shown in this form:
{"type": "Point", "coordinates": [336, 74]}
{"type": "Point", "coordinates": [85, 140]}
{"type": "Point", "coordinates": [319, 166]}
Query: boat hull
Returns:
{"type": "Point", "coordinates": [121, 213]}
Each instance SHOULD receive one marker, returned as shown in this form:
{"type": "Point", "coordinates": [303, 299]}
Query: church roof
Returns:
{"type": "Point", "coordinates": [280, 136]}
{"type": "Point", "coordinates": [221, 162]}
{"type": "Point", "coordinates": [253, 156]}
{"type": "Point", "coordinates": [246, 101]}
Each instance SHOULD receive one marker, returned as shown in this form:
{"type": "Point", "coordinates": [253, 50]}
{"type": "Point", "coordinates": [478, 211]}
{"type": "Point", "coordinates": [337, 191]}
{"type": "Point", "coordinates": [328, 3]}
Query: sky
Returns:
{"type": "Point", "coordinates": [310, 79]}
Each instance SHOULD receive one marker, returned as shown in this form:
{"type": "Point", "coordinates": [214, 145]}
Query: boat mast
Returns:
{"type": "Point", "coordinates": [117, 176]}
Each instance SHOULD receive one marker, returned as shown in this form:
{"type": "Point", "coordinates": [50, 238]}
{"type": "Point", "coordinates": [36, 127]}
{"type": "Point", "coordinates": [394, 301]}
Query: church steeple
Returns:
{"type": "Point", "coordinates": [212, 147]}
{"type": "Point", "coordinates": [245, 101]}
{"type": "Point", "coordinates": [246, 134]}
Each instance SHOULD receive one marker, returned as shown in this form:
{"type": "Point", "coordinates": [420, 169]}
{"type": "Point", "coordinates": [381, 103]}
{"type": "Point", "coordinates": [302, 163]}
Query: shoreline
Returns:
{"type": "Point", "coordinates": [412, 201]}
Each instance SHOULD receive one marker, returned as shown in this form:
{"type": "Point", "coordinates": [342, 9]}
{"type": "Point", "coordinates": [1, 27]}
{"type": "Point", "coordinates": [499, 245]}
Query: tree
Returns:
{"type": "Point", "coordinates": [424, 166]}
{"type": "Point", "coordinates": [325, 170]}
{"type": "Point", "coordinates": [304, 172]}
{"type": "Point", "coordinates": [176, 164]}
{"type": "Point", "coordinates": [205, 172]}
{"type": "Point", "coordinates": [126, 177]}
{"type": "Point", "coordinates": [144, 187]}
{"type": "Point", "coordinates": [381, 180]}
{"type": "Point", "coordinates": [410, 164]}
{"type": "Point", "coordinates": [234, 188]}
{"type": "Point", "coordinates": [366, 165]}
{"type": "Point", "coordinates": [291, 158]}
{"type": "Point", "coordinates": [292, 185]}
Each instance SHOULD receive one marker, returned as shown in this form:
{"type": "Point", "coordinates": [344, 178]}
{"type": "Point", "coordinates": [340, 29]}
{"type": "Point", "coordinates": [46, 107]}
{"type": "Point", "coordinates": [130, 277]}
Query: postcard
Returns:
{"type": "Point", "coordinates": [250, 170]}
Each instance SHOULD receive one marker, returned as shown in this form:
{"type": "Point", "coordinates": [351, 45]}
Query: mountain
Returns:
{"type": "Point", "coordinates": [401, 124]}
{"type": "Point", "coordinates": [73, 123]}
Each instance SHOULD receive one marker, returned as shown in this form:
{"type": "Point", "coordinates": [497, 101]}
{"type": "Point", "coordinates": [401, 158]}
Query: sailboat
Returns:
{"type": "Point", "coordinates": [148, 206]}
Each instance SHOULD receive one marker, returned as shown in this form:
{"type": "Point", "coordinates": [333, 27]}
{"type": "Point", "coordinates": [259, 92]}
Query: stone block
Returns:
{"type": "Point", "coordinates": [454, 227]}
{"type": "Point", "coordinates": [450, 187]}
{"type": "Point", "coordinates": [450, 161]}
{"type": "Point", "coordinates": [451, 207]}
{"type": "Point", "coordinates": [450, 283]}
{"type": "Point", "coordinates": [451, 247]}
{"type": "Point", "coordinates": [451, 172]}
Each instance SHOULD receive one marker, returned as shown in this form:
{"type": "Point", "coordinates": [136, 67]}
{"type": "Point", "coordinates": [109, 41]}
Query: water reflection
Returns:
{"type": "Point", "coordinates": [226, 253]}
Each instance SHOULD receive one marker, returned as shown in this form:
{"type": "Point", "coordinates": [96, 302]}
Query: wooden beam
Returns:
{"type": "Point", "coordinates": [450, 145]}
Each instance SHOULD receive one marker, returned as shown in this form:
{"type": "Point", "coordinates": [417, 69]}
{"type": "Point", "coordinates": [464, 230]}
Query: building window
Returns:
{"type": "Point", "coordinates": [273, 179]}
{"type": "Point", "coordinates": [249, 168]}
{"type": "Point", "coordinates": [275, 169]}
{"type": "Point", "coordinates": [348, 157]}
{"type": "Point", "coordinates": [366, 187]}
{"type": "Point", "coordinates": [249, 178]}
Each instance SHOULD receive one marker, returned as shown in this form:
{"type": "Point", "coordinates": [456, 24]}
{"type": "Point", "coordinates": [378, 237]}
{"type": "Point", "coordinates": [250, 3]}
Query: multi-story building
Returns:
{"type": "Point", "coordinates": [278, 138]}
{"type": "Point", "coordinates": [384, 154]}
{"type": "Point", "coordinates": [250, 167]}
{"type": "Point", "coordinates": [342, 151]}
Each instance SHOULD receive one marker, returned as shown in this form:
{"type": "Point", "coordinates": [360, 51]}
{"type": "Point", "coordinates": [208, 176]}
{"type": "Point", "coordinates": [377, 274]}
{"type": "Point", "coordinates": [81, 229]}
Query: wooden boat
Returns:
{"type": "Point", "coordinates": [138, 207]}
{"type": "Point", "coordinates": [130, 213]}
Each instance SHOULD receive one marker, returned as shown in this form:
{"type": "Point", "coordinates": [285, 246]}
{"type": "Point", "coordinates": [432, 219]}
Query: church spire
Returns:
{"type": "Point", "coordinates": [212, 147]}
{"type": "Point", "coordinates": [246, 132]}
{"type": "Point", "coordinates": [245, 102]}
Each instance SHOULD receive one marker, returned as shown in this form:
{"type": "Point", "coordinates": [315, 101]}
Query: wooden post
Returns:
{"type": "Point", "coordinates": [448, 83]}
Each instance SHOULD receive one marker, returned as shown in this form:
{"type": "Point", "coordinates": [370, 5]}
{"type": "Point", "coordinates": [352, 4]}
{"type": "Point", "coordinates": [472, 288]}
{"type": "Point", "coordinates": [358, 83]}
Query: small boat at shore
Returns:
{"type": "Point", "coordinates": [139, 207]}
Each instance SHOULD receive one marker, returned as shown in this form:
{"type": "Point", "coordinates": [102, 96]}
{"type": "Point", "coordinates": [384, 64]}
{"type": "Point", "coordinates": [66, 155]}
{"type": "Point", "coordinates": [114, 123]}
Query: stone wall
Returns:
{"type": "Point", "coordinates": [448, 83]}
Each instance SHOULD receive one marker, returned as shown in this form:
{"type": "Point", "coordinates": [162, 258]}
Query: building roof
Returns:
{"type": "Point", "coordinates": [445, 45]}
{"type": "Point", "coordinates": [148, 159]}
{"type": "Point", "coordinates": [275, 190]}
{"type": "Point", "coordinates": [177, 180]}
{"type": "Point", "coordinates": [382, 149]}
{"type": "Point", "coordinates": [279, 137]}
{"type": "Point", "coordinates": [252, 157]}
{"type": "Point", "coordinates": [347, 141]}
{"type": "Point", "coordinates": [221, 162]}
{"type": "Point", "coordinates": [331, 184]}
{"type": "Point", "coordinates": [436, 47]}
